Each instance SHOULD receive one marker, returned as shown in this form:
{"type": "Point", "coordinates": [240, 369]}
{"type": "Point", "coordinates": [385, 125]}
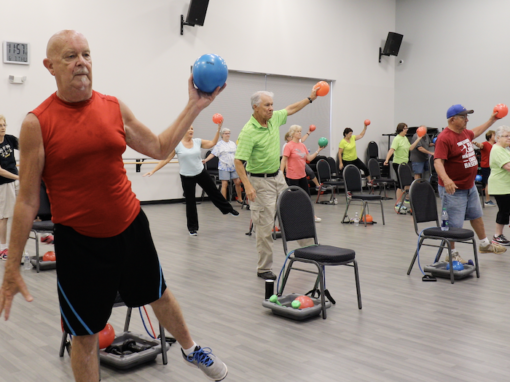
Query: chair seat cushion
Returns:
{"type": "Point", "coordinates": [366, 197]}
{"type": "Point", "coordinates": [46, 225]}
{"type": "Point", "coordinates": [384, 180]}
{"type": "Point", "coordinates": [452, 233]}
{"type": "Point", "coordinates": [325, 254]}
{"type": "Point", "coordinates": [334, 183]}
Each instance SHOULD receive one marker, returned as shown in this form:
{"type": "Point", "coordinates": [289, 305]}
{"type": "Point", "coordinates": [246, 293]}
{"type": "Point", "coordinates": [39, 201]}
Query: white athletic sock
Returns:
{"type": "Point", "coordinates": [485, 242]}
{"type": "Point", "coordinates": [191, 349]}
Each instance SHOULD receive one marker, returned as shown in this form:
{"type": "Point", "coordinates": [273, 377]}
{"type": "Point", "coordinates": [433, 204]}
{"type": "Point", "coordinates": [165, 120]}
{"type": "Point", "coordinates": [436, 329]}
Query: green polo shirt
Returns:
{"type": "Point", "coordinates": [260, 146]}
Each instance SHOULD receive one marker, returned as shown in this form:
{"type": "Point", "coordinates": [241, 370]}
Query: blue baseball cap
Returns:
{"type": "Point", "coordinates": [457, 110]}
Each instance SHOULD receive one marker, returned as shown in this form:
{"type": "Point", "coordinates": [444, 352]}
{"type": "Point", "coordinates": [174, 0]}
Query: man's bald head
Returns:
{"type": "Point", "coordinates": [68, 59]}
{"type": "Point", "coordinates": [59, 40]}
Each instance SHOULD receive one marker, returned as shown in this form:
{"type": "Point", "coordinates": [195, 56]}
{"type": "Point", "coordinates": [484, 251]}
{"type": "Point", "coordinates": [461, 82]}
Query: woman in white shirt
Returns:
{"type": "Point", "coordinates": [225, 150]}
{"type": "Point", "coordinates": [193, 172]}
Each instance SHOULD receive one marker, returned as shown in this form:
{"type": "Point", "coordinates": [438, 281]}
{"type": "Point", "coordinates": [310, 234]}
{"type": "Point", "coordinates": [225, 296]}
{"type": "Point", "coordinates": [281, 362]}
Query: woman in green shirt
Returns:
{"type": "Point", "coordinates": [401, 147]}
{"type": "Point", "coordinates": [499, 181]}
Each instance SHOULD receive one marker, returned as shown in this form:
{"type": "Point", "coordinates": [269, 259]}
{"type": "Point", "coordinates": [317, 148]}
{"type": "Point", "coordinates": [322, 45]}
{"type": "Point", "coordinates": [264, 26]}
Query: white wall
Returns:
{"type": "Point", "coordinates": [454, 51]}
{"type": "Point", "coordinates": [140, 57]}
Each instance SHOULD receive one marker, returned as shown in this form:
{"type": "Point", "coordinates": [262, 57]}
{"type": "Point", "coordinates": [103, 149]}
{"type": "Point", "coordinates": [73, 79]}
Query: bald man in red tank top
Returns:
{"type": "Point", "coordinates": [63, 142]}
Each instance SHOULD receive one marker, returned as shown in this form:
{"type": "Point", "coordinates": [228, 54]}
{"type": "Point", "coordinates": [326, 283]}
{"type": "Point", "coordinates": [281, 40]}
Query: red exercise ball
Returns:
{"type": "Point", "coordinates": [217, 118]}
{"type": "Point", "coordinates": [106, 336]}
{"type": "Point", "coordinates": [370, 219]}
{"type": "Point", "coordinates": [324, 88]}
{"type": "Point", "coordinates": [421, 131]}
{"type": "Point", "coordinates": [501, 109]}
{"type": "Point", "coordinates": [49, 256]}
{"type": "Point", "coordinates": [306, 302]}
{"type": "Point", "coordinates": [312, 128]}
{"type": "Point", "coordinates": [367, 122]}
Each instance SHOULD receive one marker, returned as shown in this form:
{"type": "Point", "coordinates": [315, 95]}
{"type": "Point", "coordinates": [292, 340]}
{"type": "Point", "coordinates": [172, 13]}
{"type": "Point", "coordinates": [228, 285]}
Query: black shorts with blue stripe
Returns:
{"type": "Point", "coordinates": [91, 270]}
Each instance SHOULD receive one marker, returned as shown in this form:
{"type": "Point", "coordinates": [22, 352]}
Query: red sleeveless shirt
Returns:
{"type": "Point", "coordinates": [84, 172]}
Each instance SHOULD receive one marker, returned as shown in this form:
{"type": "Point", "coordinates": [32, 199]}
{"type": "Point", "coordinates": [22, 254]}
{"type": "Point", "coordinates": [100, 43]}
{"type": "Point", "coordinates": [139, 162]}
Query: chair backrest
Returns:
{"type": "Point", "coordinates": [211, 165]}
{"type": "Point", "coordinates": [373, 167]}
{"type": "Point", "coordinates": [352, 179]}
{"type": "Point", "coordinates": [423, 203]}
{"type": "Point", "coordinates": [44, 212]}
{"type": "Point", "coordinates": [296, 215]}
{"type": "Point", "coordinates": [372, 150]}
{"type": "Point", "coordinates": [405, 174]}
{"type": "Point", "coordinates": [431, 165]}
{"type": "Point", "coordinates": [333, 167]}
{"type": "Point", "coordinates": [323, 171]}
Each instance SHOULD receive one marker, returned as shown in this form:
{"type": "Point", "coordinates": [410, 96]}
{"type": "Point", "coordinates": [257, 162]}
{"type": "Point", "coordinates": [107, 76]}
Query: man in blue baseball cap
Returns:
{"type": "Point", "coordinates": [456, 164]}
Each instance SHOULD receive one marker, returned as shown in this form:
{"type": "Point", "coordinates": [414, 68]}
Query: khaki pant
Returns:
{"type": "Point", "coordinates": [263, 210]}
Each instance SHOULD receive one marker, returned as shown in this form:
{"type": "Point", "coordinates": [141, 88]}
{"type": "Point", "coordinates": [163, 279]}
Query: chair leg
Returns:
{"type": "Point", "coordinates": [346, 209]}
{"type": "Point", "coordinates": [358, 289]}
{"type": "Point", "coordinates": [128, 319]}
{"type": "Point", "coordinates": [323, 295]}
{"type": "Point", "coordinates": [447, 242]}
{"type": "Point", "coordinates": [285, 277]}
{"type": "Point", "coordinates": [363, 213]}
{"type": "Point", "coordinates": [475, 253]}
{"type": "Point", "coordinates": [318, 194]}
{"type": "Point", "coordinates": [415, 256]}
{"type": "Point", "coordinates": [63, 344]}
{"type": "Point", "coordinates": [37, 260]}
{"type": "Point", "coordinates": [439, 252]}
{"type": "Point", "coordinates": [163, 344]}
{"type": "Point", "coordinates": [382, 213]}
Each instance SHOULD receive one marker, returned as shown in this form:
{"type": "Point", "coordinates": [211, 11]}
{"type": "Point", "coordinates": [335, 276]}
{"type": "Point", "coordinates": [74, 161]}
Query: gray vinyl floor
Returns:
{"type": "Point", "coordinates": [408, 330]}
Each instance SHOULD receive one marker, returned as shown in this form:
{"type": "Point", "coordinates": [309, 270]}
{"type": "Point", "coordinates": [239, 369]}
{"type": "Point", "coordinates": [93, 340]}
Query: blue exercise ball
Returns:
{"type": "Point", "coordinates": [434, 140]}
{"type": "Point", "coordinates": [209, 72]}
{"type": "Point", "coordinates": [478, 178]}
{"type": "Point", "coordinates": [457, 266]}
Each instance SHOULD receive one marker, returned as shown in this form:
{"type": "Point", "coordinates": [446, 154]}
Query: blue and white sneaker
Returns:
{"type": "Point", "coordinates": [205, 360]}
{"type": "Point", "coordinates": [403, 209]}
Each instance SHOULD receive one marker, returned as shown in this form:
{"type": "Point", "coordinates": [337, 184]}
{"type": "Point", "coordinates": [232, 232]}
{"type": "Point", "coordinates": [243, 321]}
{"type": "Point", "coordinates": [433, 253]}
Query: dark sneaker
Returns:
{"type": "Point", "coordinates": [193, 233]}
{"type": "Point", "coordinates": [501, 239]}
{"type": "Point", "coordinates": [490, 203]}
{"type": "Point", "coordinates": [267, 275]}
{"type": "Point", "coordinates": [234, 213]}
{"type": "Point", "coordinates": [205, 360]}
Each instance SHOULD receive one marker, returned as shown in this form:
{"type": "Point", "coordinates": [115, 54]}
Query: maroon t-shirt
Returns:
{"type": "Point", "coordinates": [459, 157]}
{"type": "Point", "coordinates": [486, 154]}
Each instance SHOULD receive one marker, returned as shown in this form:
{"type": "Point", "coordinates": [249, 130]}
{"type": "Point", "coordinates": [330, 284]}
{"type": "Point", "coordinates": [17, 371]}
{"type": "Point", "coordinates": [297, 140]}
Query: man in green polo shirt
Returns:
{"type": "Point", "coordinates": [259, 145]}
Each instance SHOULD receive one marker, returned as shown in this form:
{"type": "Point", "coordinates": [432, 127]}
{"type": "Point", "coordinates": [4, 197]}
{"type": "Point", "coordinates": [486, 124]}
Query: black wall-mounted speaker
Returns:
{"type": "Point", "coordinates": [393, 43]}
{"type": "Point", "coordinates": [196, 12]}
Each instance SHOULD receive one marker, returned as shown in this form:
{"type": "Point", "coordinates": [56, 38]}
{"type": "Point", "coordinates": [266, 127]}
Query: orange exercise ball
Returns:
{"type": "Point", "coordinates": [367, 122]}
{"type": "Point", "coordinates": [324, 88]}
{"type": "Point", "coordinates": [49, 256]}
{"type": "Point", "coordinates": [312, 128]}
{"type": "Point", "coordinates": [369, 218]}
{"type": "Point", "coordinates": [106, 336]}
{"type": "Point", "coordinates": [421, 131]}
{"type": "Point", "coordinates": [501, 109]}
{"type": "Point", "coordinates": [306, 302]}
{"type": "Point", "coordinates": [217, 118]}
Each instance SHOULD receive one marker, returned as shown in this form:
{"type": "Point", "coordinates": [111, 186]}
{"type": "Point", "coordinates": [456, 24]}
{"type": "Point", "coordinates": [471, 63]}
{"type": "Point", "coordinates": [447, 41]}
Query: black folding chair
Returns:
{"type": "Point", "coordinates": [424, 206]}
{"type": "Point", "coordinates": [296, 216]}
{"type": "Point", "coordinates": [378, 180]}
{"type": "Point", "coordinates": [352, 179]}
{"type": "Point", "coordinates": [326, 182]}
{"type": "Point", "coordinates": [43, 224]}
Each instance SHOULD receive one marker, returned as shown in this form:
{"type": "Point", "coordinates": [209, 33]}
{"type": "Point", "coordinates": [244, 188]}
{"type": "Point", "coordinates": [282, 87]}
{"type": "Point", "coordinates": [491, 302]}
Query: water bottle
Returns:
{"type": "Point", "coordinates": [356, 220]}
{"type": "Point", "coordinates": [444, 220]}
{"type": "Point", "coordinates": [26, 261]}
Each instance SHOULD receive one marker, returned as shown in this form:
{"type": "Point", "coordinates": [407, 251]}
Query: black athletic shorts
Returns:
{"type": "Point", "coordinates": [91, 270]}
